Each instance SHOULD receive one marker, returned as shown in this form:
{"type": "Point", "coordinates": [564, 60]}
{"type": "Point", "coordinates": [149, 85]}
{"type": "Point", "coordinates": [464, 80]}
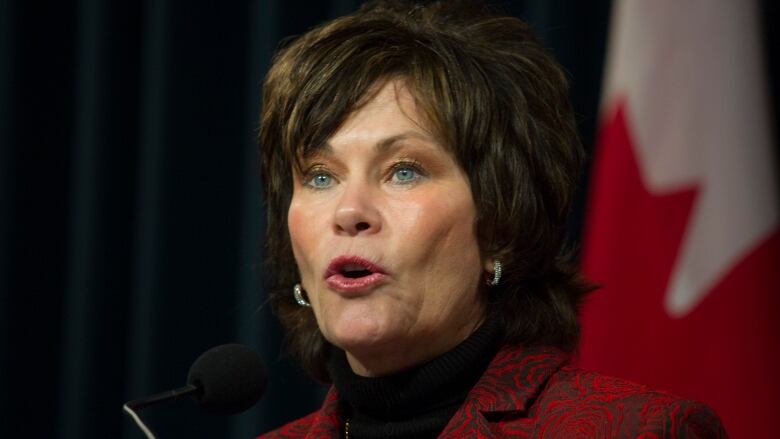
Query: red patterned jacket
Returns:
{"type": "Point", "coordinates": [532, 393]}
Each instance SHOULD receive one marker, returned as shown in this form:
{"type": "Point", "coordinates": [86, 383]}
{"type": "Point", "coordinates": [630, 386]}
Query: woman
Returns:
{"type": "Point", "coordinates": [419, 164]}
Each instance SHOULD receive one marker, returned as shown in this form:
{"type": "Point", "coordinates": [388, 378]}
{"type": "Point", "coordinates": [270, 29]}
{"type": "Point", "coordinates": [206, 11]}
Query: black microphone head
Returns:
{"type": "Point", "coordinates": [231, 377]}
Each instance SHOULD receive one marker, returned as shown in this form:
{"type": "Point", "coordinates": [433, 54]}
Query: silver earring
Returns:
{"type": "Point", "coordinates": [298, 294]}
{"type": "Point", "coordinates": [496, 272]}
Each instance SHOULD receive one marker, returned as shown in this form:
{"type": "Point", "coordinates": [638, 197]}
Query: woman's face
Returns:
{"type": "Point", "coordinates": [382, 224]}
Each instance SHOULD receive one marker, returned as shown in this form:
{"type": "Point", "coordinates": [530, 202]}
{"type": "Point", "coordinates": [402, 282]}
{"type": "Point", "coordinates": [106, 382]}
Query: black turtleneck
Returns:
{"type": "Point", "coordinates": [416, 403]}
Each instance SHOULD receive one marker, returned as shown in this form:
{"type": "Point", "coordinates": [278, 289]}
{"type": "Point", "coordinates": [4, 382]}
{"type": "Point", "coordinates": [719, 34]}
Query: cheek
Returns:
{"type": "Point", "coordinates": [448, 214]}
{"type": "Point", "coordinates": [440, 229]}
{"type": "Point", "coordinates": [442, 262]}
{"type": "Point", "coordinates": [303, 236]}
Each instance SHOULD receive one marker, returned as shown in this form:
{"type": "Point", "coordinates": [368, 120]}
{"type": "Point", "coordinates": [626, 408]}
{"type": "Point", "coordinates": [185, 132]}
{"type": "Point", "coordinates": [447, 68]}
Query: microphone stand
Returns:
{"type": "Point", "coordinates": [137, 404]}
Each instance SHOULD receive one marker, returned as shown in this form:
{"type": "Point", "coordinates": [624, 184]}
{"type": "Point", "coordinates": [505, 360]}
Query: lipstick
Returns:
{"type": "Point", "coordinates": [353, 274]}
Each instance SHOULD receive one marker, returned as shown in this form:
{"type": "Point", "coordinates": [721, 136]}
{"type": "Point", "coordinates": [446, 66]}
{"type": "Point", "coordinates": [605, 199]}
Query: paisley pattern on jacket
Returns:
{"type": "Point", "coordinates": [533, 393]}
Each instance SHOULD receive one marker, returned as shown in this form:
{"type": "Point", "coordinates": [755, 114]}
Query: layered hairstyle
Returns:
{"type": "Point", "coordinates": [492, 95]}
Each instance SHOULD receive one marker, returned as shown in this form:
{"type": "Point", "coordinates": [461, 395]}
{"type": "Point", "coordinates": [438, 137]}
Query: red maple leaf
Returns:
{"type": "Point", "coordinates": [726, 351]}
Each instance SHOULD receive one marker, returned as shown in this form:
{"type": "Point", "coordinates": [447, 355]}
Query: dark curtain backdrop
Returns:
{"type": "Point", "coordinates": [130, 217]}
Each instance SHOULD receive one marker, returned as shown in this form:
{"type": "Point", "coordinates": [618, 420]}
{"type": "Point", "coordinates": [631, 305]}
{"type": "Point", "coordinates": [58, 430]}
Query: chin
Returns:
{"type": "Point", "coordinates": [356, 330]}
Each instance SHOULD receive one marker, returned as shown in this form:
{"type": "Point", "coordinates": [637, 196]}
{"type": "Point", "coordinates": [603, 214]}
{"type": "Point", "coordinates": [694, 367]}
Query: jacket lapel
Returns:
{"type": "Point", "coordinates": [511, 382]}
{"type": "Point", "coordinates": [327, 420]}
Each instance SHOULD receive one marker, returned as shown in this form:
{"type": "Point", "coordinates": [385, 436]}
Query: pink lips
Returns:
{"type": "Point", "coordinates": [368, 274]}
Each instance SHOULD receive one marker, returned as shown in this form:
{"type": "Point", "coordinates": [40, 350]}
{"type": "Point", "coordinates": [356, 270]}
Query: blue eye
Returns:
{"type": "Point", "coordinates": [320, 181]}
{"type": "Point", "coordinates": [405, 174]}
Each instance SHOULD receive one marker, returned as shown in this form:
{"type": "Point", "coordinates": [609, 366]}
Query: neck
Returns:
{"type": "Point", "coordinates": [418, 401]}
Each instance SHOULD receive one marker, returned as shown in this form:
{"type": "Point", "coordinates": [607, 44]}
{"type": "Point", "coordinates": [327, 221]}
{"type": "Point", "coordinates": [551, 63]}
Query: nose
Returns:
{"type": "Point", "coordinates": [356, 212]}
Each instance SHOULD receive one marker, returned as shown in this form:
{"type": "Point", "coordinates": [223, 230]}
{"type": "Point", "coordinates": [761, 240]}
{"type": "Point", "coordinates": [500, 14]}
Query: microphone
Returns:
{"type": "Point", "coordinates": [226, 379]}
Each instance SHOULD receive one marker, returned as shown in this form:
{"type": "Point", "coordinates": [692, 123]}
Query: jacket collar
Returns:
{"type": "Point", "coordinates": [513, 379]}
{"type": "Point", "coordinates": [510, 384]}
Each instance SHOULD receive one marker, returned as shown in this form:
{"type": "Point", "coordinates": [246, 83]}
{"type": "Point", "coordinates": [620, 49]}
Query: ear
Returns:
{"type": "Point", "coordinates": [487, 265]}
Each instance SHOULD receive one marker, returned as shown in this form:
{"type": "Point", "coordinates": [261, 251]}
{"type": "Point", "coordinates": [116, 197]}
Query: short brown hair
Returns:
{"type": "Point", "coordinates": [497, 100]}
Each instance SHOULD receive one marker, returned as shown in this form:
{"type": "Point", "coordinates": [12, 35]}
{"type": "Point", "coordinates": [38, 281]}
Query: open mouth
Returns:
{"type": "Point", "coordinates": [353, 274]}
{"type": "Point", "coordinates": [355, 271]}
{"type": "Point", "coordinates": [352, 267]}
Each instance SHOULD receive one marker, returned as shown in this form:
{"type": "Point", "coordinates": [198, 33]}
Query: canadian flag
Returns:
{"type": "Point", "coordinates": [682, 225]}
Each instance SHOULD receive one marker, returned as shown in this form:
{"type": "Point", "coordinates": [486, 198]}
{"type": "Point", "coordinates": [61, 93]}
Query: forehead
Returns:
{"type": "Point", "coordinates": [388, 115]}
{"type": "Point", "coordinates": [389, 111]}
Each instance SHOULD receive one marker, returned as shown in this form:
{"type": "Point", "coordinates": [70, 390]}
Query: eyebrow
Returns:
{"type": "Point", "coordinates": [382, 145]}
